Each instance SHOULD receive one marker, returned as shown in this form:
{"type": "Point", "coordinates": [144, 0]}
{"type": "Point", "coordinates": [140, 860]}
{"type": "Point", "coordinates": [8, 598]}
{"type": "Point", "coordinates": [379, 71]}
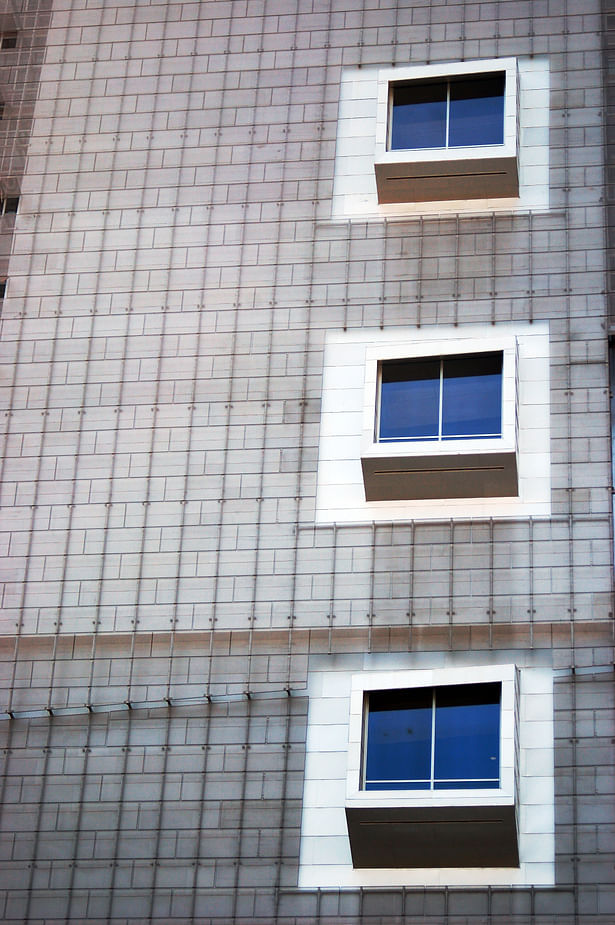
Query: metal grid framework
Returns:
{"type": "Point", "coordinates": [173, 273]}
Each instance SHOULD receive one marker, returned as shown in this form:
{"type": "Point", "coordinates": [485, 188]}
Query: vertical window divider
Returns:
{"type": "Point", "coordinates": [448, 110]}
{"type": "Point", "coordinates": [440, 400]}
{"type": "Point", "coordinates": [433, 739]}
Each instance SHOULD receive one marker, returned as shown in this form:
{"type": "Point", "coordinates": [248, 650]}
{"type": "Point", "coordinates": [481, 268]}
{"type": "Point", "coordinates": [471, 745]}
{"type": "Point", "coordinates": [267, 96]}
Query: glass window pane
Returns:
{"type": "Point", "coordinates": [467, 737]}
{"type": "Point", "coordinates": [399, 740]}
{"type": "Point", "coordinates": [419, 116]}
{"type": "Point", "coordinates": [472, 396]}
{"type": "Point", "coordinates": [477, 111]}
{"type": "Point", "coordinates": [409, 400]}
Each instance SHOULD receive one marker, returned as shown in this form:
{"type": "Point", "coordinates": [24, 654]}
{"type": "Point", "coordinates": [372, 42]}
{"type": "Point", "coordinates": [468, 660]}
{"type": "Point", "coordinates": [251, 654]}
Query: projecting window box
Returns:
{"type": "Point", "coordinates": [448, 132]}
{"type": "Point", "coordinates": [441, 424]}
{"type": "Point", "coordinates": [432, 773]}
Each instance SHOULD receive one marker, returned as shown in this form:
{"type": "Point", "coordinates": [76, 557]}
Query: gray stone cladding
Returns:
{"type": "Point", "coordinates": [174, 272]}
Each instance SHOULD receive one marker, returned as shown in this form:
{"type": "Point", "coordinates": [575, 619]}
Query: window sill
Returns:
{"type": "Point", "coordinates": [402, 471]}
{"type": "Point", "coordinates": [433, 836]}
{"type": "Point", "coordinates": [430, 176]}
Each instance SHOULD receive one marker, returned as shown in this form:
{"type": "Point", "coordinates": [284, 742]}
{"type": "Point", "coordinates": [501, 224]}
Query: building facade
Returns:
{"type": "Point", "coordinates": [307, 514]}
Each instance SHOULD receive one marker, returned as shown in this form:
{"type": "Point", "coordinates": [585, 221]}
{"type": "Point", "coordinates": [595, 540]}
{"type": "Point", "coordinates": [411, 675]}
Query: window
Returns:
{"type": "Point", "coordinates": [2, 288]}
{"type": "Point", "coordinates": [441, 426]}
{"type": "Point", "coordinates": [8, 40]}
{"type": "Point", "coordinates": [492, 460]}
{"type": "Point", "coordinates": [448, 113]}
{"type": "Point", "coordinates": [9, 204]}
{"type": "Point", "coordinates": [449, 132]}
{"type": "Point", "coordinates": [350, 834]}
{"type": "Point", "coordinates": [432, 769]}
{"type": "Point", "coordinates": [444, 398]}
{"type": "Point", "coordinates": [433, 738]}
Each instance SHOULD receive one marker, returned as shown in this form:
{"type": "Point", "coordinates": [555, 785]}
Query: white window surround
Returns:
{"type": "Point", "coordinates": [348, 409]}
{"type": "Point", "coordinates": [474, 172]}
{"type": "Point", "coordinates": [325, 856]}
{"type": "Point", "coordinates": [354, 186]}
{"type": "Point", "coordinates": [364, 682]}
{"type": "Point", "coordinates": [404, 455]}
{"type": "Point", "coordinates": [363, 804]}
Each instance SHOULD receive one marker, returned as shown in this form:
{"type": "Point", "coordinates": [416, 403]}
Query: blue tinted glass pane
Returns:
{"type": "Point", "coordinates": [409, 400]}
{"type": "Point", "coordinates": [399, 740]}
{"type": "Point", "coordinates": [477, 111]}
{"type": "Point", "coordinates": [419, 116]}
{"type": "Point", "coordinates": [467, 733]}
{"type": "Point", "coordinates": [472, 396]}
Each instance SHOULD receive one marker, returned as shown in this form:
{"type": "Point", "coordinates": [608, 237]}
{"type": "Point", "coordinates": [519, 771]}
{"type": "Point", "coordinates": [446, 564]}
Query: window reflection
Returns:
{"type": "Point", "coordinates": [433, 738]}
{"type": "Point", "coordinates": [452, 113]}
{"type": "Point", "coordinates": [446, 398]}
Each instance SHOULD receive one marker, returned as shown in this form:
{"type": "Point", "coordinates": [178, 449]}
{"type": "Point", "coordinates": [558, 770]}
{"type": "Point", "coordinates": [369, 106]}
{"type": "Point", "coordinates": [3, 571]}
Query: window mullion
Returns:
{"type": "Point", "coordinates": [448, 109]}
{"type": "Point", "coordinates": [433, 739]}
{"type": "Point", "coordinates": [440, 399]}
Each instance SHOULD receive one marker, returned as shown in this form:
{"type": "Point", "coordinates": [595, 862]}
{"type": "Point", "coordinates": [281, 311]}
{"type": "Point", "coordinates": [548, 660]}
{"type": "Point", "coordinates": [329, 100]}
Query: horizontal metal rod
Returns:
{"type": "Point", "coordinates": [157, 704]}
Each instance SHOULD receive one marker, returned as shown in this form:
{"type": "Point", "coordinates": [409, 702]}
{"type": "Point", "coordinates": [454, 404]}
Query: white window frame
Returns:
{"type": "Point", "coordinates": [439, 459]}
{"type": "Point", "coordinates": [440, 828]}
{"type": "Point", "coordinates": [433, 740]}
{"type": "Point", "coordinates": [460, 173]}
{"type": "Point", "coordinates": [363, 684]}
{"type": "Point", "coordinates": [325, 855]}
{"type": "Point", "coordinates": [437, 438]}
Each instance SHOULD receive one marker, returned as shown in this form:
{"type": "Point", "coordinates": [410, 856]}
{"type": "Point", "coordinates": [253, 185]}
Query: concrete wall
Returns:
{"type": "Point", "coordinates": [176, 269]}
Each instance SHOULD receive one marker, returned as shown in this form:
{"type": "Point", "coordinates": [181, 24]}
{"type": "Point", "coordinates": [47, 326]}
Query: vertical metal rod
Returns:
{"type": "Point", "coordinates": [419, 273]}
{"type": "Point", "coordinates": [568, 10]}
{"type": "Point", "coordinates": [184, 494]}
{"type": "Point", "coordinates": [362, 34]}
{"type": "Point", "coordinates": [31, 529]}
{"type": "Point", "coordinates": [491, 607]}
{"type": "Point", "coordinates": [150, 451]}
{"type": "Point", "coordinates": [300, 463]}
{"type": "Point", "coordinates": [242, 801]}
{"type": "Point", "coordinates": [73, 863]}
{"type": "Point", "coordinates": [126, 719]}
{"type": "Point", "coordinates": [611, 403]}
{"type": "Point", "coordinates": [41, 803]}
{"type": "Point", "coordinates": [372, 569]}
{"type": "Point", "coordinates": [493, 268]}
{"type": "Point", "coordinates": [385, 263]}
{"type": "Point", "coordinates": [394, 42]}
{"type": "Point", "coordinates": [268, 348]}
{"type": "Point", "coordinates": [451, 581]}
{"type": "Point", "coordinates": [349, 227]}
{"type": "Point", "coordinates": [428, 37]}
{"type": "Point", "coordinates": [457, 288]}
{"type": "Point", "coordinates": [332, 587]}
{"type": "Point", "coordinates": [98, 606]}
{"type": "Point", "coordinates": [531, 610]}
{"type": "Point", "coordinates": [239, 853]}
{"type": "Point", "coordinates": [530, 260]}
{"type": "Point", "coordinates": [192, 918]}
{"type": "Point", "coordinates": [410, 612]}
{"type": "Point", "coordinates": [160, 824]}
